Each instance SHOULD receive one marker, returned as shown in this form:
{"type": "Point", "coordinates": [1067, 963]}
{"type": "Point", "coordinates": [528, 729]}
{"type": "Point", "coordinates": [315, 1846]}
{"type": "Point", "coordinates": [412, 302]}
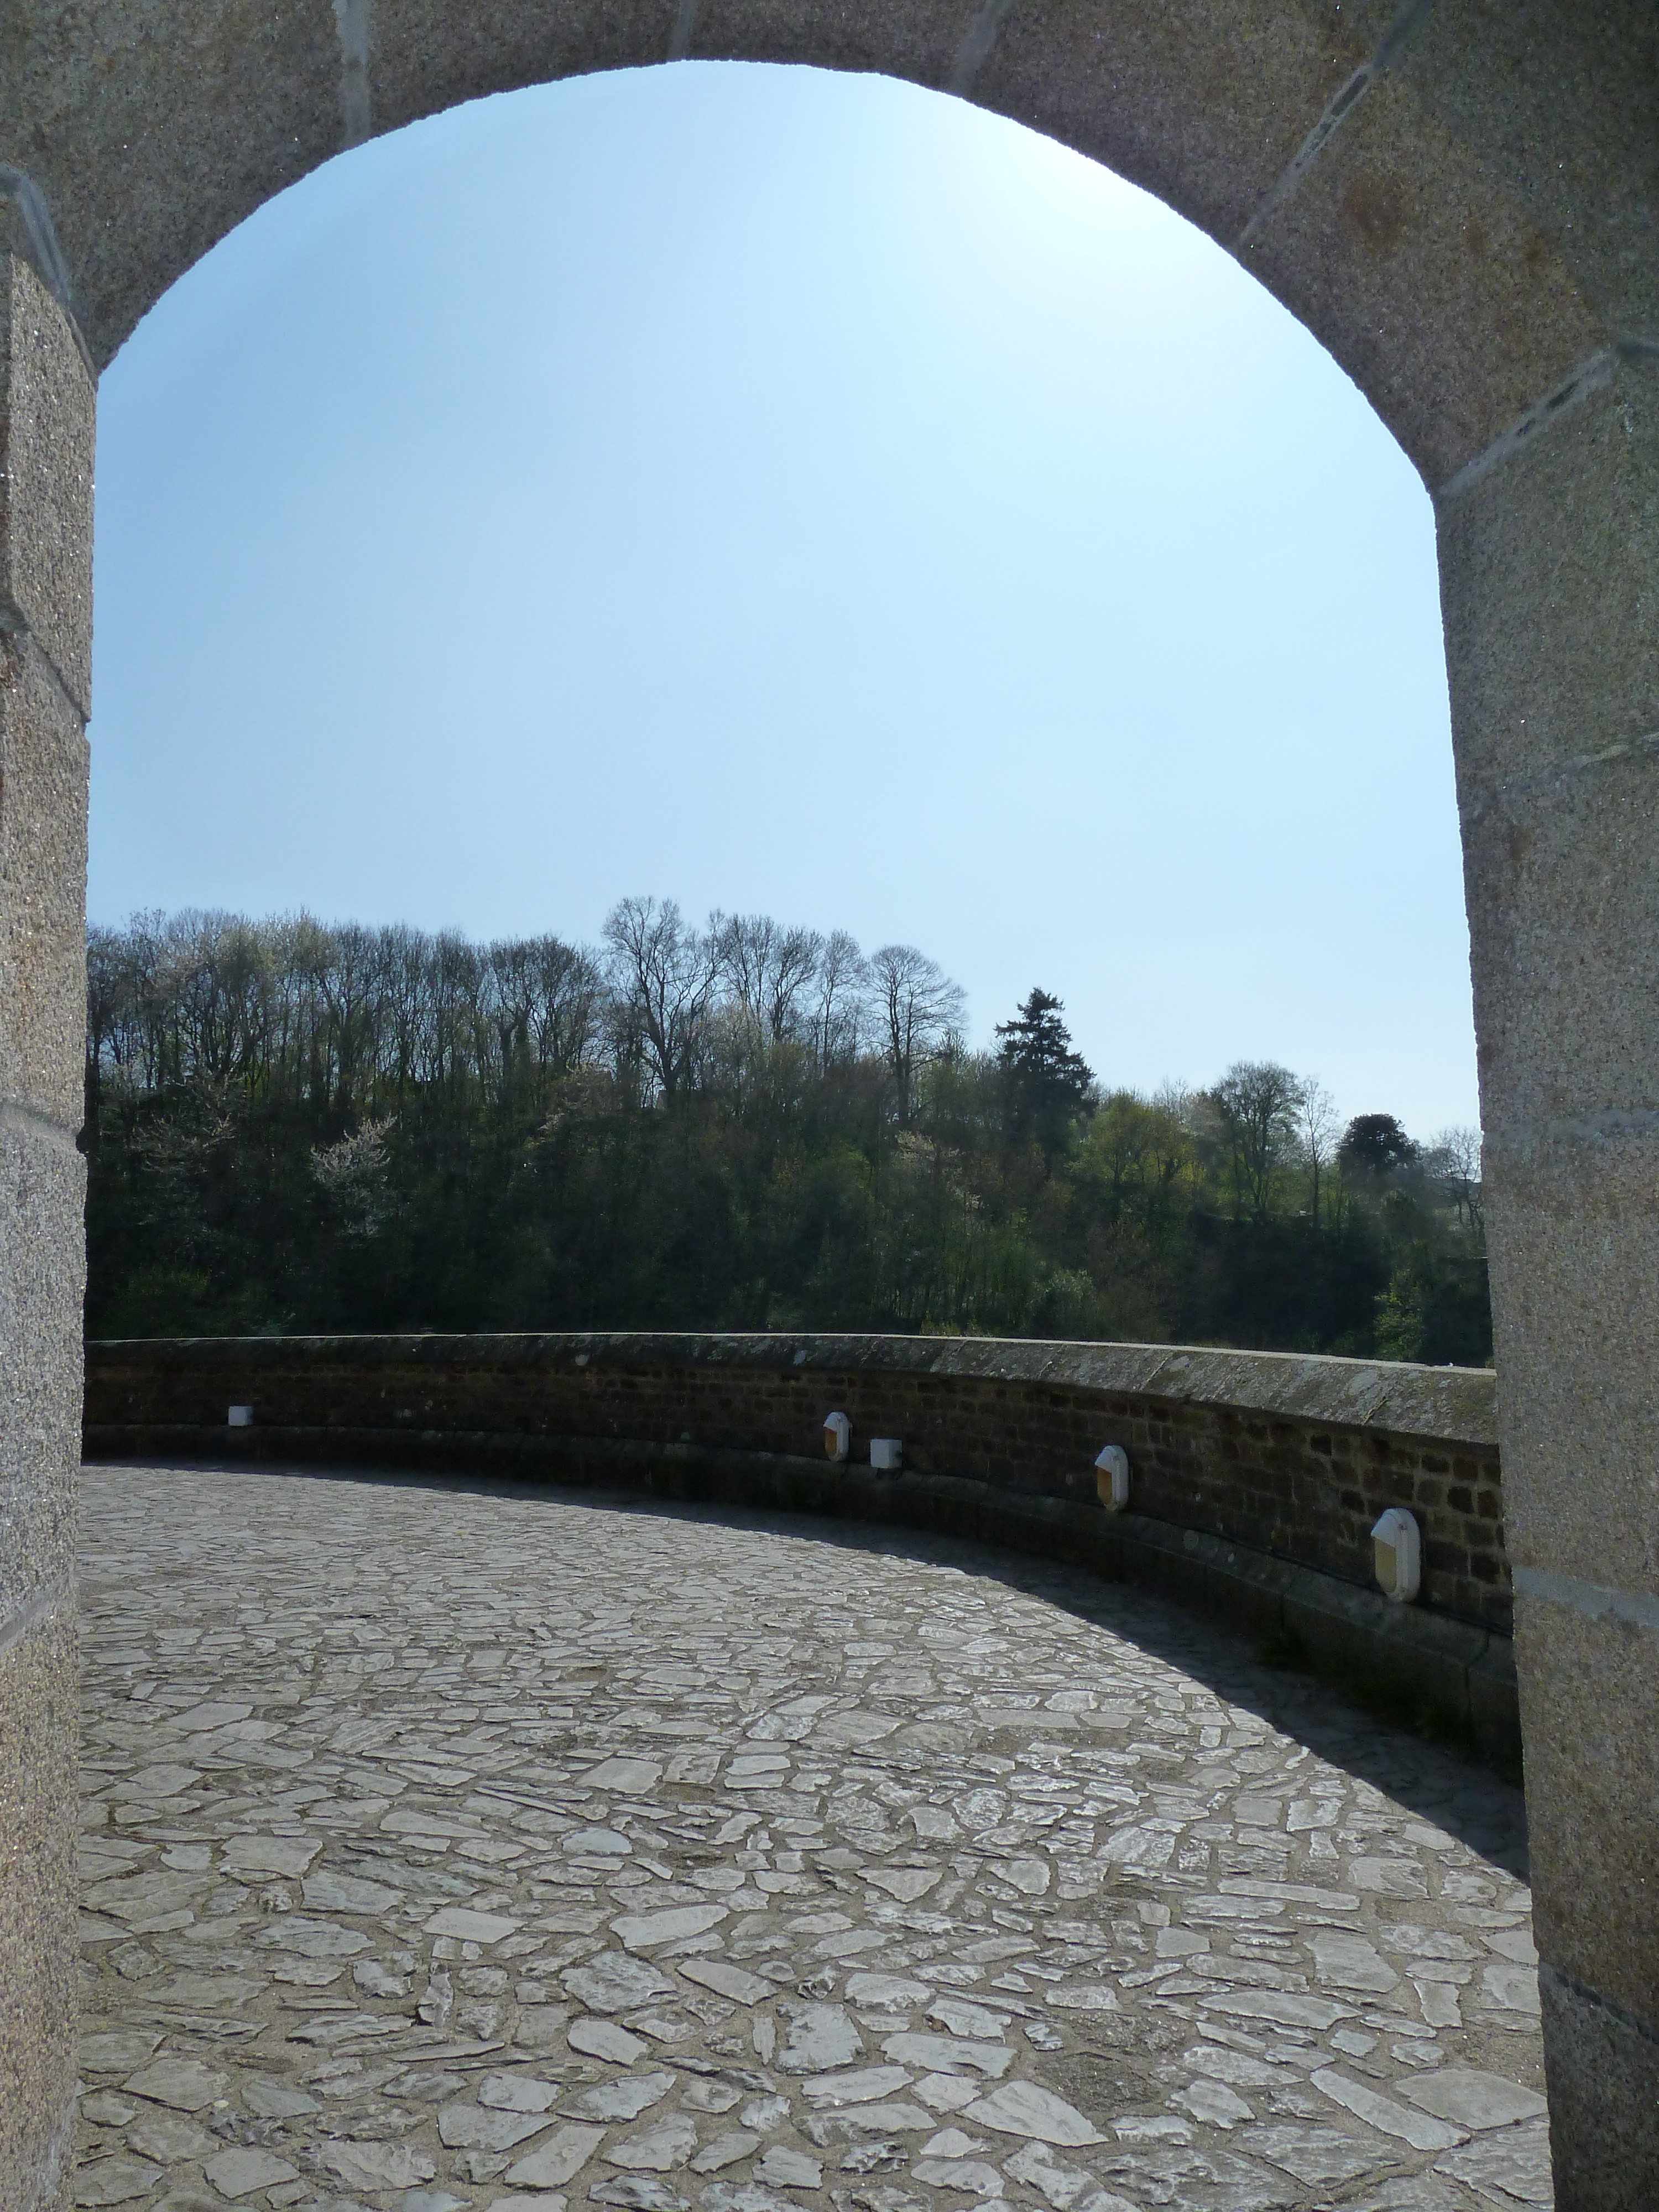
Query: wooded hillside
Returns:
{"type": "Point", "coordinates": [296, 1128]}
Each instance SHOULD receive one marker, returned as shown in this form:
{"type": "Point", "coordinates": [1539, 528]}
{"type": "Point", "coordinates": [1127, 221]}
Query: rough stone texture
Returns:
{"type": "Point", "coordinates": [1558, 869]}
{"type": "Point", "coordinates": [1290, 1455]}
{"type": "Point", "coordinates": [1549, 559]}
{"type": "Point", "coordinates": [1447, 1675]}
{"type": "Point", "coordinates": [913, 39]}
{"type": "Point", "coordinates": [1560, 102]}
{"type": "Point", "coordinates": [1546, 587]}
{"type": "Point", "coordinates": [38, 1881]}
{"type": "Point", "coordinates": [483, 1846]}
{"type": "Point", "coordinates": [1414, 264]}
{"type": "Point", "coordinates": [499, 46]}
{"type": "Point", "coordinates": [46, 469]}
{"type": "Point", "coordinates": [152, 138]}
{"type": "Point", "coordinates": [1588, 1692]}
{"type": "Point", "coordinates": [1119, 83]}
{"type": "Point", "coordinates": [1550, 582]}
{"type": "Point", "coordinates": [42, 1185]}
{"type": "Point", "coordinates": [1604, 2072]}
{"type": "Point", "coordinates": [45, 481]}
{"type": "Point", "coordinates": [1574, 1270]}
{"type": "Point", "coordinates": [43, 888]}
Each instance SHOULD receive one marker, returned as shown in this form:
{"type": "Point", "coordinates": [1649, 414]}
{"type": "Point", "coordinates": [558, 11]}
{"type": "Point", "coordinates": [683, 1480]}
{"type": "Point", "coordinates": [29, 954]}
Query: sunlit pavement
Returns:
{"type": "Point", "coordinates": [447, 1848]}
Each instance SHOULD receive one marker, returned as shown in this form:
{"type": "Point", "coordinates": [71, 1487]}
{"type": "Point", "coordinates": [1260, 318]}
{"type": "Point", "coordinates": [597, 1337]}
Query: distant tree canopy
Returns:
{"type": "Point", "coordinates": [1375, 1144]}
{"type": "Point", "coordinates": [1048, 1083]}
{"type": "Point", "coordinates": [742, 1125]}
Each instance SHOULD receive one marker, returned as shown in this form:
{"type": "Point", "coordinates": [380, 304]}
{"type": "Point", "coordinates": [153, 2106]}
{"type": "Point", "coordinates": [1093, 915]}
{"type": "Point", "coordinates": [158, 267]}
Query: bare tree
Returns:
{"type": "Point", "coordinates": [1317, 1129]}
{"type": "Point", "coordinates": [843, 984]}
{"type": "Point", "coordinates": [1456, 1156]}
{"type": "Point", "coordinates": [766, 967]}
{"type": "Point", "coordinates": [919, 1006]}
{"type": "Point", "coordinates": [1259, 1101]}
{"type": "Point", "coordinates": [569, 1005]}
{"type": "Point", "coordinates": [665, 972]}
{"type": "Point", "coordinates": [403, 967]}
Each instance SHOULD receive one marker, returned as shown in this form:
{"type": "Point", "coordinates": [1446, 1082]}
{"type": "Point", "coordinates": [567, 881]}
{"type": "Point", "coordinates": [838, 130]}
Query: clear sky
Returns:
{"type": "Point", "coordinates": [794, 492]}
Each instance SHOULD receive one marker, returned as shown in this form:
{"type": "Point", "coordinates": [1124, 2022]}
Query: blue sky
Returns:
{"type": "Point", "coordinates": [795, 493]}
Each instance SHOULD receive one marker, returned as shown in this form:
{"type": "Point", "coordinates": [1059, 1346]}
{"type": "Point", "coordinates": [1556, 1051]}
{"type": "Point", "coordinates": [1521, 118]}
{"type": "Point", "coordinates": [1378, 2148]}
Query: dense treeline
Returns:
{"type": "Point", "coordinates": [296, 1128]}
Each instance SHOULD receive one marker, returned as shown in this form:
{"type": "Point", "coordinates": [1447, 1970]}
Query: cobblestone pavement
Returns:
{"type": "Point", "coordinates": [444, 1849]}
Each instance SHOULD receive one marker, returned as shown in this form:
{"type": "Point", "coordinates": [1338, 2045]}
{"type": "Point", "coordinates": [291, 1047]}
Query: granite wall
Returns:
{"type": "Point", "coordinates": [46, 638]}
{"type": "Point", "coordinates": [1461, 201]}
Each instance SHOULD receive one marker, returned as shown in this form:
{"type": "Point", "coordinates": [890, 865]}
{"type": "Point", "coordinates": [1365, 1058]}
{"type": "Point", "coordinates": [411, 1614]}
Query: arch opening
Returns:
{"type": "Point", "coordinates": [1461, 204]}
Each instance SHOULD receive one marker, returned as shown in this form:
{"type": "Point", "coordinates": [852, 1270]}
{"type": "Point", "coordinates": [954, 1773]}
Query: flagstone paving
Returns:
{"type": "Point", "coordinates": [445, 1850]}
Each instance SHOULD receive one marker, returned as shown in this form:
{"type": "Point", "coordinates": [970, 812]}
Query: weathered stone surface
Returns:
{"type": "Point", "coordinates": [43, 875]}
{"type": "Point", "coordinates": [1589, 1687]}
{"type": "Point", "coordinates": [1561, 873]}
{"type": "Point", "coordinates": [1117, 86]}
{"type": "Point", "coordinates": [1548, 554]}
{"type": "Point", "coordinates": [1506, 83]}
{"type": "Point", "coordinates": [1180, 1924]}
{"type": "Point", "coordinates": [1604, 2098]}
{"type": "Point", "coordinates": [45, 483]}
{"type": "Point", "coordinates": [1575, 1254]}
{"type": "Point", "coordinates": [45, 488]}
{"type": "Point", "coordinates": [1546, 567]}
{"type": "Point", "coordinates": [1418, 269]}
{"type": "Point", "coordinates": [42, 1181]}
{"type": "Point", "coordinates": [37, 1995]}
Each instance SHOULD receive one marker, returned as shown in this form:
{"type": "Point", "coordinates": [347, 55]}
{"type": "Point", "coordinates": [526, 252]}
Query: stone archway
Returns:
{"type": "Point", "coordinates": [1463, 204]}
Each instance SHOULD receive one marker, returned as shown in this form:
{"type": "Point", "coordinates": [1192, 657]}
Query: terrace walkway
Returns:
{"type": "Point", "coordinates": [446, 1849]}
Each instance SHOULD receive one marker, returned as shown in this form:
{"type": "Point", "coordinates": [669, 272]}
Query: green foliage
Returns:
{"type": "Point", "coordinates": [1048, 1084]}
{"type": "Point", "coordinates": [291, 1128]}
{"type": "Point", "coordinates": [1375, 1144]}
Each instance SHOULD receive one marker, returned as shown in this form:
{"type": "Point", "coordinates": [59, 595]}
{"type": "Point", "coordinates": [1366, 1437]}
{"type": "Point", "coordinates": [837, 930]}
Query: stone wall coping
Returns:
{"type": "Point", "coordinates": [1455, 1405]}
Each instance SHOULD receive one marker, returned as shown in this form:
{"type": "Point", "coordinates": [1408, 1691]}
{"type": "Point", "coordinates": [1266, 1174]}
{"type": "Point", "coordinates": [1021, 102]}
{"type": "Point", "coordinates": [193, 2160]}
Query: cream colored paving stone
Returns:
{"type": "Point", "coordinates": [115, 2181]}
{"type": "Point", "coordinates": [623, 2100]}
{"type": "Point", "coordinates": [537, 1852]}
{"type": "Point", "coordinates": [255, 1855]}
{"type": "Point", "coordinates": [170, 2138]}
{"type": "Point", "coordinates": [726, 2149]}
{"type": "Point", "coordinates": [556, 2159]}
{"type": "Point", "coordinates": [1474, 2099]}
{"type": "Point", "coordinates": [657, 2149]}
{"type": "Point", "coordinates": [377, 2164]}
{"type": "Point", "coordinates": [236, 2174]}
{"type": "Point", "coordinates": [116, 2050]}
{"type": "Point", "coordinates": [183, 2083]}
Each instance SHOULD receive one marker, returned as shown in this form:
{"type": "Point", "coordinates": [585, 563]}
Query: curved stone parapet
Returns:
{"type": "Point", "coordinates": [1255, 1477]}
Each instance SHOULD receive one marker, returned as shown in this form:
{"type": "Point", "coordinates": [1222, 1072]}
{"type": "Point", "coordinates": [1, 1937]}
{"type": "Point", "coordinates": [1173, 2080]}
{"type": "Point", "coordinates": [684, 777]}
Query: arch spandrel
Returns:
{"type": "Point", "coordinates": [1452, 266]}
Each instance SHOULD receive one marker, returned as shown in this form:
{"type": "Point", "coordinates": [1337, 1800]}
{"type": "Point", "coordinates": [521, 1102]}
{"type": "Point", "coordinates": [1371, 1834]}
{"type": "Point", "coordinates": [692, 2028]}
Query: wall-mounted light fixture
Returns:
{"type": "Point", "coordinates": [1112, 1478]}
{"type": "Point", "coordinates": [837, 1436]}
{"type": "Point", "coordinates": [1397, 1549]}
{"type": "Point", "coordinates": [241, 1417]}
{"type": "Point", "coordinates": [887, 1454]}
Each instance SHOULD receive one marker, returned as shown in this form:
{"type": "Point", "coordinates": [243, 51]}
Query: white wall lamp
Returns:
{"type": "Point", "coordinates": [1397, 1549]}
{"type": "Point", "coordinates": [837, 1437]}
{"type": "Point", "coordinates": [241, 1417]}
{"type": "Point", "coordinates": [1112, 1478]}
{"type": "Point", "coordinates": [887, 1454]}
